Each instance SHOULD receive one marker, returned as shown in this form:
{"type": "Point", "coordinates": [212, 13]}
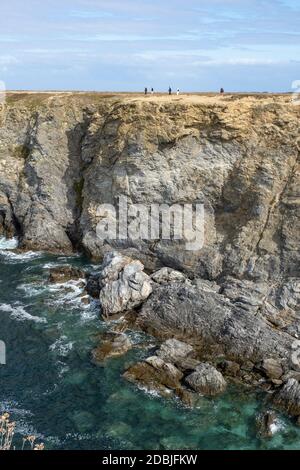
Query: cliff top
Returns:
{"type": "Point", "coordinates": [37, 97]}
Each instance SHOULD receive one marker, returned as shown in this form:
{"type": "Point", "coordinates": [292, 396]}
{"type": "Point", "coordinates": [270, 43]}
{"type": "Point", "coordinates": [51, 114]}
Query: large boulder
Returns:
{"type": "Point", "coordinates": [112, 344]}
{"type": "Point", "coordinates": [167, 275]}
{"type": "Point", "coordinates": [206, 380]}
{"type": "Point", "coordinates": [213, 324]}
{"type": "Point", "coordinates": [272, 368]}
{"type": "Point", "coordinates": [266, 424]}
{"type": "Point", "coordinates": [178, 353]}
{"type": "Point", "coordinates": [288, 397]}
{"type": "Point", "coordinates": [92, 285]}
{"type": "Point", "coordinates": [123, 284]}
{"type": "Point", "coordinates": [155, 374]}
{"type": "Point", "coordinates": [61, 274]}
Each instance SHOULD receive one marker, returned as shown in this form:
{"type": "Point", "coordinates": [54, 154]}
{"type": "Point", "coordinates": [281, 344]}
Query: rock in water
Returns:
{"type": "Point", "coordinates": [266, 424]}
{"type": "Point", "coordinates": [155, 374]}
{"type": "Point", "coordinates": [123, 283]}
{"type": "Point", "coordinates": [92, 285]}
{"type": "Point", "coordinates": [288, 397]}
{"type": "Point", "coordinates": [206, 380]}
{"type": "Point", "coordinates": [61, 274]}
{"type": "Point", "coordinates": [112, 345]}
{"type": "Point", "coordinates": [213, 324]}
{"type": "Point", "coordinates": [173, 349]}
{"type": "Point", "coordinates": [178, 353]}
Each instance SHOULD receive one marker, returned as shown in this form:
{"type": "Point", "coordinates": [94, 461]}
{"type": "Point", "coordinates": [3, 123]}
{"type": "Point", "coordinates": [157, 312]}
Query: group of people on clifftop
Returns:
{"type": "Point", "coordinates": [177, 91]}
{"type": "Point", "coordinates": [169, 91]}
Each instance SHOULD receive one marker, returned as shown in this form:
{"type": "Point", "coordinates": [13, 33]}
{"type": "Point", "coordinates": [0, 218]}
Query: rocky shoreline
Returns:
{"type": "Point", "coordinates": [208, 335]}
{"type": "Point", "coordinates": [228, 312]}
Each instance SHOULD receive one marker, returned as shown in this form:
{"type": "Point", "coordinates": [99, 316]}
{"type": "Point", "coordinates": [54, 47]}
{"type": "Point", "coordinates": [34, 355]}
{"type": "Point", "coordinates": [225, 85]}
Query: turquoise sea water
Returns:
{"type": "Point", "coordinates": [52, 389]}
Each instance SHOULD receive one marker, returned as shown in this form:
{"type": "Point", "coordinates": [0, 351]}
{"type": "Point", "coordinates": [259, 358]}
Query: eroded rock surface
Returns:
{"type": "Point", "coordinates": [123, 284]}
{"type": "Point", "coordinates": [62, 155]}
{"type": "Point", "coordinates": [113, 344]}
{"type": "Point", "coordinates": [206, 380]}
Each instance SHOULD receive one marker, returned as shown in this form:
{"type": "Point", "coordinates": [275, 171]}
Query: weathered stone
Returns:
{"type": "Point", "coordinates": [173, 349]}
{"type": "Point", "coordinates": [123, 283]}
{"type": "Point", "coordinates": [92, 285]}
{"type": "Point", "coordinates": [266, 424]}
{"type": "Point", "coordinates": [188, 397]}
{"type": "Point", "coordinates": [212, 324]}
{"type": "Point", "coordinates": [61, 274]}
{"type": "Point", "coordinates": [179, 353]}
{"type": "Point", "coordinates": [291, 374]}
{"type": "Point", "coordinates": [167, 275]}
{"type": "Point", "coordinates": [62, 154]}
{"type": "Point", "coordinates": [272, 368]}
{"type": "Point", "coordinates": [288, 397]}
{"type": "Point", "coordinates": [206, 380]}
{"type": "Point", "coordinates": [155, 374]}
{"type": "Point", "coordinates": [230, 368]}
{"type": "Point", "coordinates": [112, 345]}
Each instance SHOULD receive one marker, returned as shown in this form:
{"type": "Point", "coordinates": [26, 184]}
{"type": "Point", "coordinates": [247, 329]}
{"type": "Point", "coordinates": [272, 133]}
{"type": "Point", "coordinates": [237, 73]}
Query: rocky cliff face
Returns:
{"type": "Point", "coordinates": [61, 155]}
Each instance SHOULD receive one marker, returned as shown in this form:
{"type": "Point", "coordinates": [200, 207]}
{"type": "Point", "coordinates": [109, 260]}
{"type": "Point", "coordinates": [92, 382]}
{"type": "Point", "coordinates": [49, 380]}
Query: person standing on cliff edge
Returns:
{"type": "Point", "coordinates": [170, 90]}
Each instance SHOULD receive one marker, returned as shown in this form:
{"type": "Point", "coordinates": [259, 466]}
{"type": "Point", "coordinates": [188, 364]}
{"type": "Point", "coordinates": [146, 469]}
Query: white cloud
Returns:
{"type": "Point", "coordinates": [238, 61]}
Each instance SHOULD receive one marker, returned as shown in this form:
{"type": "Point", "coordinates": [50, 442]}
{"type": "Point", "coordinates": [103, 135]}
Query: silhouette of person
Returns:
{"type": "Point", "coordinates": [170, 90]}
{"type": "Point", "coordinates": [146, 91]}
{"type": "Point", "coordinates": [222, 91]}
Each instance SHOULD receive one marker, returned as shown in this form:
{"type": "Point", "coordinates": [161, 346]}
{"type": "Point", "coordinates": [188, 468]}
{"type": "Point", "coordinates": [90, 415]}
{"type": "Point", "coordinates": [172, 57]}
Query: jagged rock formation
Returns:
{"type": "Point", "coordinates": [123, 284]}
{"type": "Point", "coordinates": [62, 155]}
{"type": "Point", "coordinates": [207, 380]}
{"type": "Point", "coordinates": [236, 300]}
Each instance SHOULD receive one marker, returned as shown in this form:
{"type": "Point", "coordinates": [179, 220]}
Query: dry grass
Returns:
{"type": "Point", "coordinates": [7, 432]}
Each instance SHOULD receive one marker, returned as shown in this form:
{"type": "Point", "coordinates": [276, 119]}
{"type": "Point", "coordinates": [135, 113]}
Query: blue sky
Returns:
{"type": "Point", "coordinates": [120, 45]}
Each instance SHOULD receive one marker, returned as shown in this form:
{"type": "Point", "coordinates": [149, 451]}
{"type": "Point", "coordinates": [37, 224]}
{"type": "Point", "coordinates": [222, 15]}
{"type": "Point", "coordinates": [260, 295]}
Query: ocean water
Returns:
{"type": "Point", "coordinates": [53, 391]}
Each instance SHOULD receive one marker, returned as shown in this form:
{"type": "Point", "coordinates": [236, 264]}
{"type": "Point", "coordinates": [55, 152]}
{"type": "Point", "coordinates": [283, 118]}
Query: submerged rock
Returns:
{"type": "Point", "coordinates": [61, 274]}
{"type": "Point", "coordinates": [266, 424]}
{"type": "Point", "coordinates": [113, 344]}
{"type": "Point", "coordinates": [123, 283]}
{"type": "Point", "coordinates": [83, 420]}
{"type": "Point", "coordinates": [206, 380]}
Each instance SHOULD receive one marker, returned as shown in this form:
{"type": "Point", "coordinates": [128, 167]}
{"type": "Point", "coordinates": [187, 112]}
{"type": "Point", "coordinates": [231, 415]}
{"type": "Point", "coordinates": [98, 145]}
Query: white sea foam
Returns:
{"type": "Point", "coordinates": [8, 243]}
{"type": "Point", "coordinates": [62, 346]}
{"type": "Point", "coordinates": [19, 313]}
{"type": "Point", "coordinates": [32, 289]}
{"type": "Point", "coordinates": [69, 292]}
{"type": "Point", "coordinates": [50, 265]}
{"type": "Point", "coordinates": [13, 257]}
{"type": "Point", "coordinates": [151, 391]}
{"type": "Point", "coordinates": [276, 427]}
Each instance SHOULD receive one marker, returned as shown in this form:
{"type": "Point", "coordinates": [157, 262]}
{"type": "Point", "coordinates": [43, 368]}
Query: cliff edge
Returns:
{"type": "Point", "coordinates": [63, 154]}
